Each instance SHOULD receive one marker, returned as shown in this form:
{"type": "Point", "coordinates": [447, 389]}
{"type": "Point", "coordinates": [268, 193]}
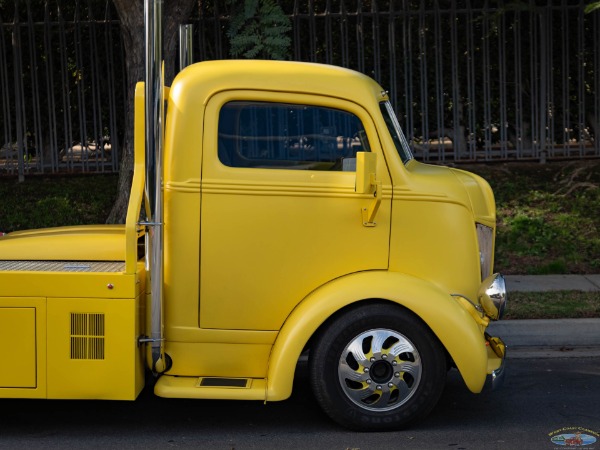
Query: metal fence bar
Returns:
{"type": "Point", "coordinates": [60, 108]}
{"type": "Point", "coordinates": [112, 88]}
{"type": "Point", "coordinates": [471, 101]}
{"type": "Point", "coordinates": [19, 97]}
{"type": "Point", "coordinates": [36, 139]}
{"type": "Point", "coordinates": [423, 88]}
{"type": "Point", "coordinates": [469, 80]}
{"type": "Point", "coordinates": [581, 63]}
{"type": "Point", "coordinates": [4, 91]}
{"type": "Point", "coordinates": [503, 86]}
{"type": "Point", "coordinates": [407, 73]}
{"type": "Point", "coordinates": [52, 143]}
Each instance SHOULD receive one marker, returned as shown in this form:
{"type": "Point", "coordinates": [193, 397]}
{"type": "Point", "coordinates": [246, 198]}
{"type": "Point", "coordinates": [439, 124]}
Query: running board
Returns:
{"type": "Point", "coordinates": [213, 388]}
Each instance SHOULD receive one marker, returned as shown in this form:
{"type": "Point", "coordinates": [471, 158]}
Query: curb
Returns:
{"type": "Point", "coordinates": [555, 338]}
{"type": "Point", "coordinates": [546, 283]}
{"type": "Point", "coordinates": [548, 333]}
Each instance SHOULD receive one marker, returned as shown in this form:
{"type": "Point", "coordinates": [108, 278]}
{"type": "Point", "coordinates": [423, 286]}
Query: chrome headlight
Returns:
{"type": "Point", "coordinates": [492, 296]}
{"type": "Point", "coordinates": [485, 238]}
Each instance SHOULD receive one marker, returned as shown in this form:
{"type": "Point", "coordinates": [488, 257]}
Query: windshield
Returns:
{"type": "Point", "coordinates": [395, 131]}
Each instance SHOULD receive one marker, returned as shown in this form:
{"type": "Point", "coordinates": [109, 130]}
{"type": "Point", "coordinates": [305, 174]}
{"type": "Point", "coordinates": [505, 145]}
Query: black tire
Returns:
{"type": "Point", "coordinates": [377, 367]}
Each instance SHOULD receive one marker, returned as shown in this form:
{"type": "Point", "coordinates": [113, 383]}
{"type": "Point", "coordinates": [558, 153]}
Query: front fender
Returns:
{"type": "Point", "coordinates": [451, 323]}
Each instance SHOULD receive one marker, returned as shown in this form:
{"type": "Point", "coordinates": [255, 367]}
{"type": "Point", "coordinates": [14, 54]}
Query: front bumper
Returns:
{"type": "Point", "coordinates": [496, 362]}
{"type": "Point", "coordinates": [492, 298]}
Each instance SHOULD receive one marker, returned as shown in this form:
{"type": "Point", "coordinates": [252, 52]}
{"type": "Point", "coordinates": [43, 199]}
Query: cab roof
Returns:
{"type": "Point", "coordinates": [210, 77]}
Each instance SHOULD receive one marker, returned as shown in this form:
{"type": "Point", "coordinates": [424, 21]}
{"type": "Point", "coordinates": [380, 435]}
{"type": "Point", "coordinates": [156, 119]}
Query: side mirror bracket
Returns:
{"type": "Point", "coordinates": [366, 183]}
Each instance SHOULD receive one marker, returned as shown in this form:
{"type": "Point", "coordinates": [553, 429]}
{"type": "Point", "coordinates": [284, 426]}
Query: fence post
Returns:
{"type": "Point", "coordinates": [18, 74]}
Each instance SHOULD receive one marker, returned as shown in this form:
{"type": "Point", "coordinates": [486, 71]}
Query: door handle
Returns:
{"type": "Point", "coordinates": [369, 212]}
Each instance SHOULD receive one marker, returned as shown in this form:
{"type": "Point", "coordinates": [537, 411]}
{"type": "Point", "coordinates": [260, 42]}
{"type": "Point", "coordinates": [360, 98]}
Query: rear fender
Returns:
{"type": "Point", "coordinates": [450, 322]}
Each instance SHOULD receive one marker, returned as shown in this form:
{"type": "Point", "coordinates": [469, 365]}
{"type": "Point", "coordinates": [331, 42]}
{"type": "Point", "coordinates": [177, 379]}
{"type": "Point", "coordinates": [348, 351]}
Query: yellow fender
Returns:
{"type": "Point", "coordinates": [450, 322]}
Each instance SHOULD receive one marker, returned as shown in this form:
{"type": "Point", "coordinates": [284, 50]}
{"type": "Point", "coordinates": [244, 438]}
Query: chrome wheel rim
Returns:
{"type": "Point", "coordinates": [379, 370]}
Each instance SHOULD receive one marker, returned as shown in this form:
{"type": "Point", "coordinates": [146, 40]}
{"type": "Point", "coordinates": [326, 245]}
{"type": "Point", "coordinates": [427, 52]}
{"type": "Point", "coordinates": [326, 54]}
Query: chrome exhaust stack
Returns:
{"type": "Point", "coordinates": [185, 45]}
{"type": "Point", "coordinates": [154, 94]}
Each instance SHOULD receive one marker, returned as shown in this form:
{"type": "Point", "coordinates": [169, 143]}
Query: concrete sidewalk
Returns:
{"type": "Point", "coordinates": [550, 338]}
{"type": "Point", "coordinates": [545, 283]}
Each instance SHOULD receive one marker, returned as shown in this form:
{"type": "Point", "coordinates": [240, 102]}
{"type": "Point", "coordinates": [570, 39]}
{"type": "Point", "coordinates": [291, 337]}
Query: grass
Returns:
{"type": "Point", "coordinates": [548, 222]}
{"type": "Point", "coordinates": [553, 305]}
{"type": "Point", "coordinates": [41, 202]}
{"type": "Point", "coordinates": [548, 216]}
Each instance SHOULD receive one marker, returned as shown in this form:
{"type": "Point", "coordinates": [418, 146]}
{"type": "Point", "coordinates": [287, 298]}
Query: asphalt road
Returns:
{"type": "Point", "coordinates": [540, 397]}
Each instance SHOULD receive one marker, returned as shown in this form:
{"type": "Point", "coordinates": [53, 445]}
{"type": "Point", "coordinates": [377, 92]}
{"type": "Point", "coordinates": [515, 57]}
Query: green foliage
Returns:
{"type": "Point", "coordinates": [547, 213]}
{"type": "Point", "coordinates": [49, 202]}
{"type": "Point", "coordinates": [553, 305]}
{"type": "Point", "coordinates": [592, 7]}
{"type": "Point", "coordinates": [258, 29]}
{"type": "Point", "coordinates": [547, 217]}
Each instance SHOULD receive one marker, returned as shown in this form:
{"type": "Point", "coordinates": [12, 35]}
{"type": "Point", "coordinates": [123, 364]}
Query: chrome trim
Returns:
{"type": "Point", "coordinates": [379, 379]}
{"type": "Point", "coordinates": [492, 296]}
{"type": "Point", "coordinates": [185, 45]}
{"type": "Point", "coordinates": [154, 122]}
{"type": "Point", "coordinates": [485, 240]}
{"type": "Point", "coordinates": [476, 306]}
{"type": "Point", "coordinates": [496, 378]}
{"type": "Point", "coordinates": [63, 266]}
{"type": "Point", "coordinates": [144, 223]}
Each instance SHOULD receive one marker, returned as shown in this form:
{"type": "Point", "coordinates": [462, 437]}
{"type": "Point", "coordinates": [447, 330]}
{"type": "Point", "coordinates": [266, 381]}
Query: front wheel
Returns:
{"type": "Point", "coordinates": [377, 367]}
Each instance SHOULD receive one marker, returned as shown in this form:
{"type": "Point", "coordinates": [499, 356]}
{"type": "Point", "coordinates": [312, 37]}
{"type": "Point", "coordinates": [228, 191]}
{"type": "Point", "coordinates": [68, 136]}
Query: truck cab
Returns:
{"type": "Point", "coordinates": [296, 220]}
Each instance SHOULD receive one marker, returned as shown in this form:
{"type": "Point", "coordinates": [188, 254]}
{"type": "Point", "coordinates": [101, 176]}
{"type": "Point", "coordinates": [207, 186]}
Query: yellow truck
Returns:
{"type": "Point", "coordinates": [289, 218]}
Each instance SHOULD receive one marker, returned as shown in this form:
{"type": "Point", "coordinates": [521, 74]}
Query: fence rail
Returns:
{"type": "Point", "coordinates": [470, 81]}
{"type": "Point", "coordinates": [62, 83]}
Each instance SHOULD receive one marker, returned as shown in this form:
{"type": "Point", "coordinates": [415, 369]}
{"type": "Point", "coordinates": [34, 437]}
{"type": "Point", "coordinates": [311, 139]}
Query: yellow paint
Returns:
{"type": "Point", "coordinates": [71, 284]}
{"type": "Point", "coordinates": [219, 359]}
{"type": "Point", "coordinates": [117, 374]}
{"type": "Point", "coordinates": [301, 228]}
{"type": "Point", "coordinates": [256, 260]}
{"type": "Point", "coordinates": [83, 242]}
{"type": "Point", "coordinates": [133, 231]}
{"type": "Point", "coordinates": [23, 332]}
{"type": "Point", "coordinates": [187, 387]}
{"type": "Point", "coordinates": [17, 332]}
{"type": "Point", "coordinates": [452, 324]}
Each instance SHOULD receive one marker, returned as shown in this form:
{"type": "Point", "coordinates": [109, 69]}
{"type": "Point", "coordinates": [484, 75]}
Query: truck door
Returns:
{"type": "Point", "coordinates": [279, 212]}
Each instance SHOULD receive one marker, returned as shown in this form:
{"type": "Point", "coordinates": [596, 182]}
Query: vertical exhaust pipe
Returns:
{"type": "Point", "coordinates": [154, 166]}
{"type": "Point", "coordinates": [185, 45]}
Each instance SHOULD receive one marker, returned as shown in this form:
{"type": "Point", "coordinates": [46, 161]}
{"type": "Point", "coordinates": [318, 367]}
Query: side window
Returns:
{"type": "Point", "coordinates": [289, 136]}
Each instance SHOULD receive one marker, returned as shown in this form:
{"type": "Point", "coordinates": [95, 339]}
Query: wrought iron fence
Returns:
{"type": "Point", "coordinates": [470, 81]}
{"type": "Point", "coordinates": [61, 83]}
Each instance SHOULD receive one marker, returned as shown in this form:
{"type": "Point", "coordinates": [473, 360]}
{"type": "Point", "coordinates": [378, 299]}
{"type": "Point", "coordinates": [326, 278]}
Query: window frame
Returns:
{"type": "Point", "coordinates": [318, 141]}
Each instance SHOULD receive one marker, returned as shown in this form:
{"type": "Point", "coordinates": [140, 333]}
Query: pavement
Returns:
{"type": "Point", "coordinates": [550, 338]}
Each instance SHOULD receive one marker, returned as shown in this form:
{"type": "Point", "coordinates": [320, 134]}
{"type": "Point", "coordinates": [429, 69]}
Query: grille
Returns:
{"type": "Point", "coordinates": [87, 336]}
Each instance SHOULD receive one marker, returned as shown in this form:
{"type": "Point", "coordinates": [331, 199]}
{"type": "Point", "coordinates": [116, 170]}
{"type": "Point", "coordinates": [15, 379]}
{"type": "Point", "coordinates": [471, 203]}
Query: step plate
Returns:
{"type": "Point", "coordinates": [62, 266]}
{"type": "Point", "coordinates": [189, 387]}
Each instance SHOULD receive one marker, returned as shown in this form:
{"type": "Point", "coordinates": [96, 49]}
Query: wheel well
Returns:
{"type": "Point", "coordinates": [372, 301]}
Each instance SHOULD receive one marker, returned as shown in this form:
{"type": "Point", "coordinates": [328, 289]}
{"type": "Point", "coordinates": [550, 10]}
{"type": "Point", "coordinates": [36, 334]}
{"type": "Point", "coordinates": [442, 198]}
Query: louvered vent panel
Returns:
{"type": "Point", "coordinates": [87, 336]}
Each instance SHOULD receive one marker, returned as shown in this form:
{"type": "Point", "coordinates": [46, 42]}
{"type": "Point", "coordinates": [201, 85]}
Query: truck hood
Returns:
{"type": "Point", "coordinates": [480, 195]}
{"type": "Point", "coordinates": [77, 243]}
{"type": "Point", "coordinates": [456, 185]}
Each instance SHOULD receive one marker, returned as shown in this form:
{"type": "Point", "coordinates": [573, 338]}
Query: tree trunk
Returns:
{"type": "Point", "coordinates": [131, 15]}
